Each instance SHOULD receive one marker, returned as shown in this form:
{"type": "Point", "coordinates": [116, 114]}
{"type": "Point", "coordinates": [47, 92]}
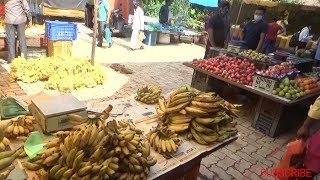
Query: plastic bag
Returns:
{"type": "Point", "coordinates": [108, 35]}
{"type": "Point", "coordinates": [293, 156]}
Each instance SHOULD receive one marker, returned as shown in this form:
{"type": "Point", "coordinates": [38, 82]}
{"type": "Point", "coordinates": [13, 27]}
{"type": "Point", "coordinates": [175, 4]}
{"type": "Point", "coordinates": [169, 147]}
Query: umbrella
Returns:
{"type": "Point", "coordinates": [207, 3]}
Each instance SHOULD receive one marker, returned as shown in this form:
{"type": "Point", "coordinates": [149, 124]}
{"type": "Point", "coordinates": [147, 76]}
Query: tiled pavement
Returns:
{"type": "Point", "coordinates": [242, 159]}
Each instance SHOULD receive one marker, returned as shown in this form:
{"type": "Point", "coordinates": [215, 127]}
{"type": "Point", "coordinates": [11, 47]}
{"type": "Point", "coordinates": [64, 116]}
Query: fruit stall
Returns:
{"type": "Point", "coordinates": [56, 136]}
{"type": "Point", "coordinates": [279, 88]}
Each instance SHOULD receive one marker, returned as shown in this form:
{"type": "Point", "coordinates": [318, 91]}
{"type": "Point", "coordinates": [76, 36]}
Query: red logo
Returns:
{"type": "Point", "coordinates": [285, 172]}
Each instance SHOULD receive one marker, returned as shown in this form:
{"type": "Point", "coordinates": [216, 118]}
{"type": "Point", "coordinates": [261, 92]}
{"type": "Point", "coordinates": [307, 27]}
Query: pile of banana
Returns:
{"type": "Point", "coordinates": [6, 159]}
{"type": "Point", "coordinates": [148, 94]}
{"type": "Point", "coordinates": [213, 129]}
{"type": "Point", "coordinates": [20, 127]}
{"type": "Point", "coordinates": [62, 74]}
{"type": "Point", "coordinates": [202, 114]}
{"type": "Point", "coordinates": [163, 140]}
{"type": "Point", "coordinates": [89, 119]}
{"type": "Point", "coordinates": [112, 151]}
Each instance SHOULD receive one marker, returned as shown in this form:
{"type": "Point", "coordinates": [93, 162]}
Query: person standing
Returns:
{"type": "Point", "coordinates": [207, 20]}
{"type": "Point", "coordinates": [137, 27]}
{"type": "Point", "coordinates": [273, 30]}
{"type": "Point", "coordinates": [310, 132]}
{"type": "Point", "coordinates": [317, 57]}
{"type": "Point", "coordinates": [304, 37]}
{"type": "Point", "coordinates": [255, 31]}
{"type": "Point", "coordinates": [219, 28]}
{"type": "Point", "coordinates": [17, 14]}
{"type": "Point", "coordinates": [89, 13]}
{"type": "Point", "coordinates": [103, 18]}
{"type": "Point", "coordinates": [164, 12]}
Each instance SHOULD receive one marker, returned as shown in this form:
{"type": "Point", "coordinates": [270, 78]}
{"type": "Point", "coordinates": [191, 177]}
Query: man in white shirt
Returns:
{"type": "Point", "coordinates": [304, 37]}
{"type": "Point", "coordinates": [137, 27]}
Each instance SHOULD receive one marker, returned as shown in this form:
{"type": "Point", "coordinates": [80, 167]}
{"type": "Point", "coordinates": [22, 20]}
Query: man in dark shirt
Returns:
{"type": "Point", "coordinates": [255, 31]}
{"type": "Point", "coordinates": [164, 12]}
{"type": "Point", "coordinates": [219, 28]}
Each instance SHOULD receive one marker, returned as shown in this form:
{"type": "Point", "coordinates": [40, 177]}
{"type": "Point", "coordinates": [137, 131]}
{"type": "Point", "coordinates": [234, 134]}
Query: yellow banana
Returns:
{"type": "Point", "coordinates": [68, 173]}
{"type": "Point", "coordinates": [168, 146]}
{"type": "Point", "coordinates": [129, 137]}
{"type": "Point", "coordinates": [181, 96]}
{"type": "Point", "coordinates": [201, 128]}
{"type": "Point", "coordinates": [84, 171]}
{"type": "Point", "coordinates": [94, 135]}
{"type": "Point", "coordinates": [133, 160]}
{"type": "Point", "coordinates": [198, 138]}
{"type": "Point", "coordinates": [178, 127]}
{"type": "Point", "coordinates": [179, 101]}
{"type": "Point", "coordinates": [96, 155]}
{"type": "Point", "coordinates": [131, 147]}
{"type": "Point", "coordinates": [183, 111]}
{"type": "Point", "coordinates": [163, 145]}
{"type": "Point", "coordinates": [110, 171]}
{"type": "Point", "coordinates": [179, 90]}
{"type": "Point", "coordinates": [76, 163]}
{"type": "Point", "coordinates": [71, 156]}
{"type": "Point", "coordinates": [60, 172]}
{"type": "Point", "coordinates": [177, 108]}
{"type": "Point", "coordinates": [209, 121]}
{"type": "Point", "coordinates": [113, 166]}
{"type": "Point", "coordinates": [223, 137]}
{"type": "Point", "coordinates": [209, 138]}
{"type": "Point", "coordinates": [96, 168]}
{"type": "Point", "coordinates": [207, 105]}
{"type": "Point", "coordinates": [161, 104]}
{"type": "Point", "coordinates": [194, 111]}
{"type": "Point", "coordinates": [125, 150]}
{"type": "Point", "coordinates": [173, 145]}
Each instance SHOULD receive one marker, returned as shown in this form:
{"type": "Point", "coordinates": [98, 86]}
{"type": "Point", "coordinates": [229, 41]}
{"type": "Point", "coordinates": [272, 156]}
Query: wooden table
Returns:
{"type": "Point", "coordinates": [190, 170]}
{"type": "Point", "coordinates": [271, 113]}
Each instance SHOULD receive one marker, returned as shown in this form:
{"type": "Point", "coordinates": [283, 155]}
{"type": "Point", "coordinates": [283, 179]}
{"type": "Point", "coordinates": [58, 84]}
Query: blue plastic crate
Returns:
{"type": "Point", "coordinates": [57, 30]}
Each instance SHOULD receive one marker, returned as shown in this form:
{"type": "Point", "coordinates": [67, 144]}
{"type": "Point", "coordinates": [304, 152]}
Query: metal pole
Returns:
{"type": "Point", "coordinates": [95, 28]}
{"type": "Point", "coordinates": [239, 12]}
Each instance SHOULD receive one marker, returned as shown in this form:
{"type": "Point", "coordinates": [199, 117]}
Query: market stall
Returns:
{"type": "Point", "coordinates": [281, 85]}
{"type": "Point", "coordinates": [122, 147]}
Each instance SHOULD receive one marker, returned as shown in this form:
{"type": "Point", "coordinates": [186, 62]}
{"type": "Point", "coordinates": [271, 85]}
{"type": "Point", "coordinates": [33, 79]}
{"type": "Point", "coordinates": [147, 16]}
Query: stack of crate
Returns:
{"type": "Point", "coordinates": [60, 37]}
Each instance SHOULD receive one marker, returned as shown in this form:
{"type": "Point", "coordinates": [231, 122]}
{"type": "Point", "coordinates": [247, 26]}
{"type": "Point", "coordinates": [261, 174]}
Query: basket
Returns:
{"type": "Point", "coordinates": [56, 30]}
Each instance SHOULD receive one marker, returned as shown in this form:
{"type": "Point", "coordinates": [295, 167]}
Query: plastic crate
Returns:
{"type": "Point", "coordinates": [57, 30]}
{"type": "Point", "coordinates": [151, 38]}
{"type": "Point", "coordinates": [264, 83]}
{"type": "Point", "coordinates": [59, 48]}
{"type": "Point", "coordinates": [36, 52]}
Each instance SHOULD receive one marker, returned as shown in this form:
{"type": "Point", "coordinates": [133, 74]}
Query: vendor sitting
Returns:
{"type": "Point", "coordinates": [164, 13]}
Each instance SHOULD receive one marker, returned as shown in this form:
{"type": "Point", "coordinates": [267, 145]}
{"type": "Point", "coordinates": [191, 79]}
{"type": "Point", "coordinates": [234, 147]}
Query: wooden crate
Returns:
{"type": "Point", "coordinates": [59, 48]}
{"type": "Point", "coordinates": [62, 12]}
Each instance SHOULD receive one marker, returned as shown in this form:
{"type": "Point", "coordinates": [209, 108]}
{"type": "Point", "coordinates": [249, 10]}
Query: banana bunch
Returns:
{"type": "Point", "coordinates": [212, 129]}
{"type": "Point", "coordinates": [20, 127]}
{"type": "Point", "coordinates": [133, 152]}
{"type": "Point", "coordinates": [4, 142]}
{"type": "Point", "coordinates": [78, 121]}
{"type": "Point", "coordinates": [148, 94]}
{"type": "Point", "coordinates": [163, 140]}
{"type": "Point", "coordinates": [112, 151]}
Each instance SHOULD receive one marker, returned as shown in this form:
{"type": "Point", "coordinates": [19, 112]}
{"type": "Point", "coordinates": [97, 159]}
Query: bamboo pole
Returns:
{"type": "Point", "coordinates": [95, 28]}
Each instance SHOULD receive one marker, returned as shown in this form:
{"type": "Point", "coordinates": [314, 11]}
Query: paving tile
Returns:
{"type": "Point", "coordinates": [242, 165]}
{"type": "Point", "coordinates": [234, 147]}
{"type": "Point", "coordinates": [265, 140]}
{"type": "Point", "coordinates": [262, 160]}
{"type": "Point", "coordinates": [209, 160]}
{"type": "Point", "coordinates": [245, 156]}
{"type": "Point", "coordinates": [252, 142]}
{"type": "Point", "coordinates": [235, 173]}
{"type": "Point", "coordinates": [205, 173]}
{"type": "Point", "coordinates": [220, 172]}
{"type": "Point", "coordinates": [225, 163]}
{"type": "Point", "coordinates": [219, 154]}
{"type": "Point", "coordinates": [249, 149]}
{"type": "Point", "coordinates": [252, 175]}
{"type": "Point", "coordinates": [265, 152]}
{"type": "Point", "coordinates": [230, 154]}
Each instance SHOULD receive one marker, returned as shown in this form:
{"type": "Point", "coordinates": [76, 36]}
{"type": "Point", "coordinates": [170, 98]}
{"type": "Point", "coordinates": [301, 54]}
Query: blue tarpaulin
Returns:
{"type": "Point", "coordinates": [207, 3]}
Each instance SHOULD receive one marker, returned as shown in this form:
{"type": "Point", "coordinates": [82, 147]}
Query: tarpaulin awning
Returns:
{"type": "Point", "coordinates": [207, 3]}
{"type": "Point", "coordinates": [65, 4]}
{"type": "Point", "coordinates": [261, 3]}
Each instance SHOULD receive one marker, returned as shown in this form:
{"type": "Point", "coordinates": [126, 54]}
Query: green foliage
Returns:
{"type": "Point", "coordinates": [193, 15]}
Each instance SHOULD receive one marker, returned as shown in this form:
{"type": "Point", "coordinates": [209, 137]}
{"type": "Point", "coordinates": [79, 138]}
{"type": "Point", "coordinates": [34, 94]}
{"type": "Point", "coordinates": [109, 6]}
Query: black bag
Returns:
{"type": "Point", "coordinates": [294, 41]}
